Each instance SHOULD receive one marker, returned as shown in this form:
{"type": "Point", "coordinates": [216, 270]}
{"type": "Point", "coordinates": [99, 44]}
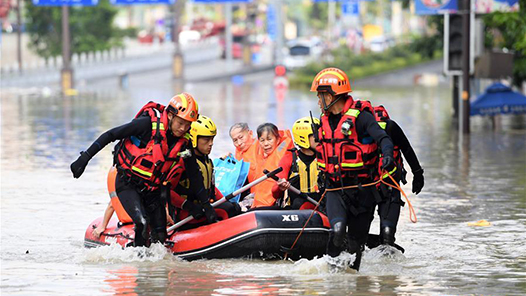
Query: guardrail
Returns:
{"type": "Point", "coordinates": [209, 49]}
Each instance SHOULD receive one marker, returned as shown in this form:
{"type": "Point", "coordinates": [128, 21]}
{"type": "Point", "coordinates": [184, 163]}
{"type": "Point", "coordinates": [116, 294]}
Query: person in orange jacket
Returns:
{"type": "Point", "coordinates": [300, 168]}
{"type": "Point", "coordinates": [202, 134]}
{"type": "Point", "coordinates": [242, 138]}
{"type": "Point", "coordinates": [271, 146]}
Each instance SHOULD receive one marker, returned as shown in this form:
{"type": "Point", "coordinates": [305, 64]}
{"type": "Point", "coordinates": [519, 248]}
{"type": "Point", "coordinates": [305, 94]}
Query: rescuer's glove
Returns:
{"type": "Point", "coordinates": [388, 163]}
{"type": "Point", "coordinates": [196, 210]}
{"type": "Point", "coordinates": [418, 181]}
{"type": "Point", "coordinates": [79, 165]}
{"type": "Point", "coordinates": [210, 213]}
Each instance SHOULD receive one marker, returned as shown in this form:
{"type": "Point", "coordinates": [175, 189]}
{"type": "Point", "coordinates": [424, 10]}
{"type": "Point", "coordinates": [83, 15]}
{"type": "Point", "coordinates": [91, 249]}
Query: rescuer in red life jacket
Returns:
{"type": "Point", "coordinates": [148, 154]}
{"type": "Point", "coordinates": [348, 161]}
{"type": "Point", "coordinates": [389, 208]}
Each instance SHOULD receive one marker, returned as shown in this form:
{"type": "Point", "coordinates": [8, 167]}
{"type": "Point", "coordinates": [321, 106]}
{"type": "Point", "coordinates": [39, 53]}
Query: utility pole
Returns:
{"type": "Point", "coordinates": [466, 20]}
{"type": "Point", "coordinates": [247, 44]}
{"type": "Point", "coordinates": [331, 14]}
{"type": "Point", "coordinates": [178, 58]}
{"type": "Point", "coordinates": [279, 32]}
{"type": "Point", "coordinates": [19, 36]}
{"type": "Point", "coordinates": [66, 72]}
{"type": "Point", "coordinates": [228, 34]}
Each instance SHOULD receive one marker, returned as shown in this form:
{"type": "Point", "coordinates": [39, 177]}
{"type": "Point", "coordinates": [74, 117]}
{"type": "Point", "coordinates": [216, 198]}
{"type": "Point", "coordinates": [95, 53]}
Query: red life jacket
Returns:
{"type": "Point", "coordinates": [156, 163]}
{"type": "Point", "coordinates": [340, 154]}
{"type": "Point", "coordinates": [381, 116]}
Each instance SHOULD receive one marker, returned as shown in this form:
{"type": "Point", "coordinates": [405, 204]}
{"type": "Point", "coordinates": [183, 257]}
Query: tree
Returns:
{"type": "Point", "coordinates": [508, 30]}
{"type": "Point", "coordinates": [91, 28]}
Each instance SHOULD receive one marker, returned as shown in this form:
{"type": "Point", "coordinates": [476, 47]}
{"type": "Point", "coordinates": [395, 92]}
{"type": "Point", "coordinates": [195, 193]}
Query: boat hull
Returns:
{"type": "Point", "coordinates": [256, 234]}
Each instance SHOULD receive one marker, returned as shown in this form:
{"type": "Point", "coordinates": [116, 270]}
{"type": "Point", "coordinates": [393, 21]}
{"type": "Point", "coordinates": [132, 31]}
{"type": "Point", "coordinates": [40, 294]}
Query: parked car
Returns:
{"type": "Point", "coordinates": [380, 43]}
{"type": "Point", "coordinates": [300, 52]}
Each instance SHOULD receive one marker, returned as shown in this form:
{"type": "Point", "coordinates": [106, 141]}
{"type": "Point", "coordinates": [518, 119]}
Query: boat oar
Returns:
{"type": "Point", "coordinates": [296, 191]}
{"type": "Point", "coordinates": [231, 195]}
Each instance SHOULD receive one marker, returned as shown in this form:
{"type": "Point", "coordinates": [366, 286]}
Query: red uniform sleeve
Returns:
{"type": "Point", "coordinates": [286, 164]}
{"type": "Point", "coordinates": [218, 194]}
{"type": "Point", "coordinates": [176, 200]}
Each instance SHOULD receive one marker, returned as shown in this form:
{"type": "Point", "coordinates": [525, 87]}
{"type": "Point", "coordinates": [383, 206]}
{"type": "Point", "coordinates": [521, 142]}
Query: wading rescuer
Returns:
{"type": "Point", "coordinates": [300, 168]}
{"type": "Point", "coordinates": [348, 157]}
{"type": "Point", "coordinates": [202, 134]}
{"type": "Point", "coordinates": [389, 208]}
{"type": "Point", "coordinates": [146, 156]}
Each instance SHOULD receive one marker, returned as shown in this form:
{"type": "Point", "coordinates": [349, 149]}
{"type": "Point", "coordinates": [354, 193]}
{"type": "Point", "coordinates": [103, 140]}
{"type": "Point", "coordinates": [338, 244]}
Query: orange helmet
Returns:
{"type": "Point", "coordinates": [184, 106]}
{"type": "Point", "coordinates": [331, 80]}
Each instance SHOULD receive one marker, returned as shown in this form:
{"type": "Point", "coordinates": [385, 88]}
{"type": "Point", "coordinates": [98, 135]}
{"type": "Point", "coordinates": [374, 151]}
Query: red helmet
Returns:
{"type": "Point", "coordinates": [331, 80]}
{"type": "Point", "coordinates": [184, 106]}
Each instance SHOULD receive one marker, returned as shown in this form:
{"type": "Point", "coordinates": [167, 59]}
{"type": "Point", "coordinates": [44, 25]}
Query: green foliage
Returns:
{"type": "Point", "coordinates": [508, 30]}
{"type": "Point", "coordinates": [317, 15]}
{"type": "Point", "coordinates": [363, 65]}
{"type": "Point", "coordinates": [91, 28]}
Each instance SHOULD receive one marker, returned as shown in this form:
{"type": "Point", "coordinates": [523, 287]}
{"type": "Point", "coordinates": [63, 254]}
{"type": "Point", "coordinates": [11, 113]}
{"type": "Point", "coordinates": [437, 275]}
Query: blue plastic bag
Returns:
{"type": "Point", "coordinates": [230, 175]}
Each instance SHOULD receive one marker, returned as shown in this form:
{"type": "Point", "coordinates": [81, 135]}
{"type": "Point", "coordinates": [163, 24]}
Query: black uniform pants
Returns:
{"type": "Point", "coordinates": [355, 208]}
{"type": "Point", "coordinates": [145, 209]}
{"type": "Point", "coordinates": [389, 208]}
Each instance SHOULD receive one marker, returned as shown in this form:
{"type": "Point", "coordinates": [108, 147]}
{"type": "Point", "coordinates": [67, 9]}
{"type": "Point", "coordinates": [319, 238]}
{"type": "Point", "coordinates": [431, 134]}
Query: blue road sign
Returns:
{"type": "Point", "coordinates": [221, 1]}
{"type": "Point", "coordinates": [65, 2]}
{"type": "Point", "coordinates": [345, 1]}
{"type": "Point", "coordinates": [435, 6]}
{"type": "Point", "coordinates": [350, 8]}
{"type": "Point", "coordinates": [138, 2]}
{"type": "Point", "coordinates": [272, 25]}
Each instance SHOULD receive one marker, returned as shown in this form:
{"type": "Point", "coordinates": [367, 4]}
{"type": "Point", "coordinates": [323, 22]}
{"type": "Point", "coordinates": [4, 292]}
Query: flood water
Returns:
{"type": "Point", "coordinates": [45, 212]}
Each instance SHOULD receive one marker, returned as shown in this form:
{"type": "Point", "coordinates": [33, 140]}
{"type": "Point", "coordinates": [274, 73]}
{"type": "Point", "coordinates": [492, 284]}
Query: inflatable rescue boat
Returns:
{"type": "Point", "coordinates": [263, 234]}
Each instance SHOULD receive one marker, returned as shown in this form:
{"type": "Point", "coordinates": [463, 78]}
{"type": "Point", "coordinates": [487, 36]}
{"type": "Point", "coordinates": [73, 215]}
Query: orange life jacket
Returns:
{"type": "Point", "coordinates": [263, 191]}
{"type": "Point", "coordinates": [341, 154]}
{"type": "Point", "coordinates": [239, 155]}
{"type": "Point", "coordinates": [115, 202]}
{"type": "Point", "coordinates": [155, 163]}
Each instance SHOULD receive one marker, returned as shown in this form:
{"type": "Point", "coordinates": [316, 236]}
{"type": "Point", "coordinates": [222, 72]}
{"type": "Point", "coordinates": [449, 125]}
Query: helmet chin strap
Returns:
{"type": "Point", "coordinates": [170, 125]}
{"type": "Point", "coordinates": [327, 107]}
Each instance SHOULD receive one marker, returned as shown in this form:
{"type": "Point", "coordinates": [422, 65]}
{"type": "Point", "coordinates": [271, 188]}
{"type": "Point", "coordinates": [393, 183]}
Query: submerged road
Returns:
{"type": "Point", "coordinates": [45, 212]}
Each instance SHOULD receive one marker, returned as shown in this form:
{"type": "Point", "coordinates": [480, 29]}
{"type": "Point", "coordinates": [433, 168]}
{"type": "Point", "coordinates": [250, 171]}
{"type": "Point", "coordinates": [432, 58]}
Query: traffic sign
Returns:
{"type": "Point", "coordinates": [350, 7]}
{"type": "Point", "coordinates": [65, 2]}
{"type": "Point", "coordinates": [221, 1]}
{"type": "Point", "coordinates": [424, 7]}
{"type": "Point", "coordinates": [272, 23]}
{"type": "Point", "coordinates": [138, 2]}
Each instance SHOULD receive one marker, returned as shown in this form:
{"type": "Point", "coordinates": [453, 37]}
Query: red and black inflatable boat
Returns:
{"type": "Point", "coordinates": [257, 234]}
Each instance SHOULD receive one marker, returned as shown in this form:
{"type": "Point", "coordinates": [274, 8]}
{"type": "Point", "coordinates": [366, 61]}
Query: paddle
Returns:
{"type": "Point", "coordinates": [231, 195]}
{"type": "Point", "coordinates": [296, 191]}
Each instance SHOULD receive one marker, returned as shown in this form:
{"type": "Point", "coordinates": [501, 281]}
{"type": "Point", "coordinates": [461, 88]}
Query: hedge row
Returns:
{"type": "Point", "coordinates": [363, 65]}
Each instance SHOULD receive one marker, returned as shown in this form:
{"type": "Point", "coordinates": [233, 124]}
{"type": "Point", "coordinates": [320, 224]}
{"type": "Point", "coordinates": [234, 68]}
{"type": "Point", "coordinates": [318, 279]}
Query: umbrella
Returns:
{"type": "Point", "coordinates": [499, 99]}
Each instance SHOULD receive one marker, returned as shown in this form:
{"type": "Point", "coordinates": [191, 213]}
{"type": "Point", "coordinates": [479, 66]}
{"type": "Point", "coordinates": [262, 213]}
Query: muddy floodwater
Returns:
{"type": "Point", "coordinates": [45, 212]}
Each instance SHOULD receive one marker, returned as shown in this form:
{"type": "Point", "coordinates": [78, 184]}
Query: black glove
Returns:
{"type": "Point", "coordinates": [196, 210]}
{"type": "Point", "coordinates": [210, 213]}
{"type": "Point", "coordinates": [418, 181]}
{"type": "Point", "coordinates": [78, 166]}
{"type": "Point", "coordinates": [388, 163]}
